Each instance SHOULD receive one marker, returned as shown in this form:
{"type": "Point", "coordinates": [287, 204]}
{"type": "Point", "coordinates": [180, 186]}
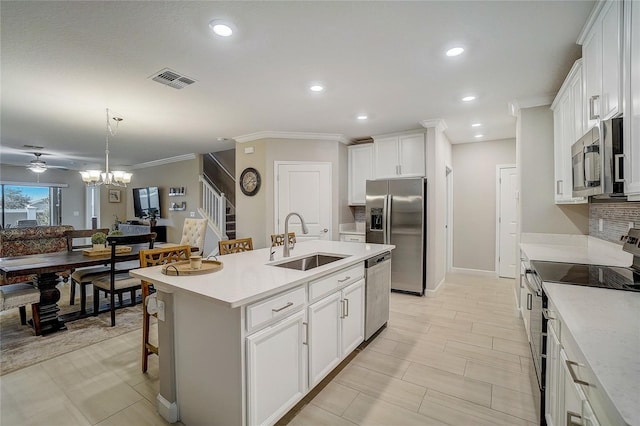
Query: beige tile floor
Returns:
{"type": "Point", "coordinates": [459, 358]}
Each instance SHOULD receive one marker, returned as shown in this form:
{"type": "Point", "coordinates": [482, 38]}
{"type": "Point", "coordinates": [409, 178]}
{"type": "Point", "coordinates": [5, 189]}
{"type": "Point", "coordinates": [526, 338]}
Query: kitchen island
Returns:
{"type": "Point", "coordinates": [245, 344]}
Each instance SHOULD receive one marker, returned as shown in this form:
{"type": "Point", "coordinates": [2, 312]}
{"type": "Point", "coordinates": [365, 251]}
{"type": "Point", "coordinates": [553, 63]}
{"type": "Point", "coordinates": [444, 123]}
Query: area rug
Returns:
{"type": "Point", "coordinates": [20, 348]}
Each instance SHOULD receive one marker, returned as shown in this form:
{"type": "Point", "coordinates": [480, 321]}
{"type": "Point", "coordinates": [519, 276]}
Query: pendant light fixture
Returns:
{"type": "Point", "coordinates": [114, 178]}
{"type": "Point", "coordinates": [37, 165]}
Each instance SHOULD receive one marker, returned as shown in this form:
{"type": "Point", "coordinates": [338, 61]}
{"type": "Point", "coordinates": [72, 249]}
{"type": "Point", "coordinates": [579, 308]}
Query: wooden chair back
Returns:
{"type": "Point", "coordinates": [278, 239]}
{"type": "Point", "coordinates": [125, 240]}
{"type": "Point", "coordinates": [235, 246]}
{"type": "Point", "coordinates": [81, 233]}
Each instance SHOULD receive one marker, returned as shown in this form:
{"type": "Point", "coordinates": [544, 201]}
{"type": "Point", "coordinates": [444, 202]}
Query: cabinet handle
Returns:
{"type": "Point", "coordinates": [346, 279]}
{"type": "Point", "coordinates": [306, 333]}
{"type": "Point", "coordinates": [592, 114]}
{"type": "Point", "coordinates": [547, 314]}
{"type": "Point", "coordinates": [529, 301]}
{"type": "Point", "coordinates": [284, 307]}
{"type": "Point", "coordinates": [618, 169]}
{"type": "Point", "coordinates": [342, 309]}
{"type": "Point", "coordinates": [559, 187]}
{"type": "Point", "coordinates": [347, 307]}
{"type": "Point", "coordinates": [570, 416]}
{"type": "Point", "coordinates": [573, 374]}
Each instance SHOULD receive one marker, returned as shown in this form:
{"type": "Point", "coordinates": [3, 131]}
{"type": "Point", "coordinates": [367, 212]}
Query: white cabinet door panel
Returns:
{"type": "Point", "coordinates": [412, 159]}
{"type": "Point", "coordinates": [353, 317]}
{"type": "Point", "coordinates": [324, 337]}
{"type": "Point", "coordinates": [360, 170]}
{"type": "Point", "coordinates": [611, 59]}
{"type": "Point", "coordinates": [386, 157]}
{"type": "Point", "coordinates": [632, 105]}
{"type": "Point", "coordinates": [276, 367]}
{"type": "Point", "coordinates": [592, 57]}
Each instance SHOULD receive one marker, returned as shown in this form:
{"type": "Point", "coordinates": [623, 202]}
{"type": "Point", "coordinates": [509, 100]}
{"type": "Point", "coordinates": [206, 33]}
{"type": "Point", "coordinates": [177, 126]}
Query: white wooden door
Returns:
{"type": "Point", "coordinates": [304, 188]}
{"type": "Point", "coordinates": [276, 369]}
{"type": "Point", "coordinates": [324, 337]}
{"type": "Point", "coordinates": [352, 317]}
{"type": "Point", "coordinates": [507, 222]}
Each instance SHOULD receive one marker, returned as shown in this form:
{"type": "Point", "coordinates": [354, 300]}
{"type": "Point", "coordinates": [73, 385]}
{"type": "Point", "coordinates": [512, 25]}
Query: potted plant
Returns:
{"type": "Point", "coordinates": [152, 214]}
{"type": "Point", "coordinates": [98, 240]}
{"type": "Point", "coordinates": [116, 233]}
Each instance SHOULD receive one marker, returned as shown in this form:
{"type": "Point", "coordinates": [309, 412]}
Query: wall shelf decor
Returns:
{"type": "Point", "coordinates": [177, 191]}
{"type": "Point", "coordinates": [178, 206]}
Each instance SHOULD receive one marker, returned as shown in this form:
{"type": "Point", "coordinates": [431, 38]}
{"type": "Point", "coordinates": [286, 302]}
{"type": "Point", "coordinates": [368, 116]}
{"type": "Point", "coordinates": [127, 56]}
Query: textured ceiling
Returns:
{"type": "Point", "coordinates": [63, 63]}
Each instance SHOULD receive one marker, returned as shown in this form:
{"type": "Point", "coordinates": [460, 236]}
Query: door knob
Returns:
{"type": "Point", "coordinates": [325, 230]}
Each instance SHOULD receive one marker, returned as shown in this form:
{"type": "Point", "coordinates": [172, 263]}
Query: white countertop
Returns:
{"type": "Point", "coordinates": [588, 250]}
{"type": "Point", "coordinates": [352, 228]}
{"type": "Point", "coordinates": [606, 326]}
{"type": "Point", "coordinates": [248, 276]}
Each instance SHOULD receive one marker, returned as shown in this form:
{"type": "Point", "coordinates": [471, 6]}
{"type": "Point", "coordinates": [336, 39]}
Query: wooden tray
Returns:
{"type": "Point", "coordinates": [106, 251]}
{"type": "Point", "coordinates": [184, 268]}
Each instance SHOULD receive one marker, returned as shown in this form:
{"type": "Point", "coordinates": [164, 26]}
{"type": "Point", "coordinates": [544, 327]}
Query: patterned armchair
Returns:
{"type": "Point", "coordinates": [33, 240]}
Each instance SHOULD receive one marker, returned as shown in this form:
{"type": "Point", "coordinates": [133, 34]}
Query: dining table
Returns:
{"type": "Point", "coordinates": [45, 266]}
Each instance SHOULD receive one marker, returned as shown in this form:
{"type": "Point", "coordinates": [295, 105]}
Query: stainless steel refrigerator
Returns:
{"type": "Point", "coordinates": [396, 214]}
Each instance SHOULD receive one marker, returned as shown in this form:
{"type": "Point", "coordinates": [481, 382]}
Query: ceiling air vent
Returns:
{"type": "Point", "coordinates": [172, 79]}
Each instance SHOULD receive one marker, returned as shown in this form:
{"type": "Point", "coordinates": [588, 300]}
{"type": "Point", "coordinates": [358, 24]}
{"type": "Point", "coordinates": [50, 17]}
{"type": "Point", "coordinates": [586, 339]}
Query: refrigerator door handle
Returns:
{"type": "Point", "coordinates": [384, 220]}
{"type": "Point", "coordinates": [387, 218]}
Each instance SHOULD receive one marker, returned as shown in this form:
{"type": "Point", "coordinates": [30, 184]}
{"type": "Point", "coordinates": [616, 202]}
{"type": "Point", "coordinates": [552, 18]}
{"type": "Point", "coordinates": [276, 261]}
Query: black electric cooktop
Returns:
{"type": "Point", "coordinates": [611, 277]}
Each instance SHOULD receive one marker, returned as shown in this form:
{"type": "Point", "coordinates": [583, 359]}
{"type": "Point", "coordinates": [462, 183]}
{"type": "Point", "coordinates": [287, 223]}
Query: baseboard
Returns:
{"type": "Point", "coordinates": [168, 410]}
{"type": "Point", "coordinates": [480, 272]}
{"type": "Point", "coordinates": [433, 292]}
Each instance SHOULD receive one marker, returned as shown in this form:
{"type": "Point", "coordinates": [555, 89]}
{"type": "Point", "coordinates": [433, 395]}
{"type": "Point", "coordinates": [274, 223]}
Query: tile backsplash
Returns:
{"type": "Point", "coordinates": [359, 213]}
{"type": "Point", "coordinates": [616, 218]}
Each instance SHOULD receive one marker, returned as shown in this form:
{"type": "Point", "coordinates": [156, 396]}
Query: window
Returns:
{"type": "Point", "coordinates": [25, 205]}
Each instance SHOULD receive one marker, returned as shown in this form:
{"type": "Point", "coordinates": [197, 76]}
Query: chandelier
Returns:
{"type": "Point", "coordinates": [114, 178]}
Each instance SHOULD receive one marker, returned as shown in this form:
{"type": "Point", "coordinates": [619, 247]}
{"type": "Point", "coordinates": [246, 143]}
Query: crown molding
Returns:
{"type": "Point", "coordinates": [531, 102]}
{"type": "Point", "coordinates": [438, 123]}
{"type": "Point", "coordinates": [292, 135]}
{"type": "Point", "coordinates": [591, 20]}
{"type": "Point", "coordinates": [163, 161]}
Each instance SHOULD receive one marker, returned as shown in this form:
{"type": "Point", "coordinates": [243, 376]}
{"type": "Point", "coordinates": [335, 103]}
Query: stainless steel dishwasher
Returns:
{"type": "Point", "coordinates": [377, 290]}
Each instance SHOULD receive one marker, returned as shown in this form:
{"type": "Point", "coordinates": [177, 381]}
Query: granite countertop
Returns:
{"type": "Point", "coordinates": [606, 326]}
{"type": "Point", "coordinates": [250, 276]}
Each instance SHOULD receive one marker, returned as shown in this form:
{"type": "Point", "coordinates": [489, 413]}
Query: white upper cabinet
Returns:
{"type": "Point", "coordinates": [568, 121]}
{"type": "Point", "coordinates": [602, 55]}
{"type": "Point", "coordinates": [399, 156]}
{"type": "Point", "coordinates": [632, 105]}
{"type": "Point", "coordinates": [360, 170]}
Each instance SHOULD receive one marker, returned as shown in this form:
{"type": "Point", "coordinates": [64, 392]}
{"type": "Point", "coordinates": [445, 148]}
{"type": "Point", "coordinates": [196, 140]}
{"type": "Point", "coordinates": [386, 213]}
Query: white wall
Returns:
{"type": "Point", "coordinates": [438, 159]}
{"type": "Point", "coordinates": [474, 201]}
{"type": "Point", "coordinates": [537, 209]}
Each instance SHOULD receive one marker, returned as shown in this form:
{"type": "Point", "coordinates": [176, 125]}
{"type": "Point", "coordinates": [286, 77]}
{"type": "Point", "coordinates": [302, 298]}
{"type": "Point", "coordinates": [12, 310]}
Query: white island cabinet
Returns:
{"type": "Point", "coordinates": [243, 345]}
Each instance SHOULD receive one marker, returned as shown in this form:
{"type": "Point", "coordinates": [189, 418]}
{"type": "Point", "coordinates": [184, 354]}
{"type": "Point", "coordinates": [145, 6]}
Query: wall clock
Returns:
{"type": "Point", "coordinates": [250, 181]}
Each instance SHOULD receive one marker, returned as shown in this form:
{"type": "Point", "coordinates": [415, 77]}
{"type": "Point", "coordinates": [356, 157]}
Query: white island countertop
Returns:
{"type": "Point", "coordinates": [250, 276]}
{"type": "Point", "coordinates": [606, 326]}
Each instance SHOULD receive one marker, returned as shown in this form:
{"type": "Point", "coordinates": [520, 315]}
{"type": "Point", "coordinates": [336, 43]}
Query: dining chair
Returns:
{"type": "Point", "coordinates": [193, 233]}
{"type": "Point", "coordinates": [154, 257]}
{"type": "Point", "coordinates": [278, 239]}
{"type": "Point", "coordinates": [235, 246]}
{"type": "Point", "coordinates": [19, 296]}
{"type": "Point", "coordinates": [83, 276]}
{"type": "Point", "coordinates": [118, 281]}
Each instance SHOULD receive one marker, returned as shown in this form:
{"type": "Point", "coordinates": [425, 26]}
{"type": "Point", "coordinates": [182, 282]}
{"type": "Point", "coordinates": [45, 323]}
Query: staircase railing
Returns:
{"type": "Point", "coordinates": [214, 208]}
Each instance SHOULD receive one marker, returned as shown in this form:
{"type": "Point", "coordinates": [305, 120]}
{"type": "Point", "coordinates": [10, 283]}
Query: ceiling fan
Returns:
{"type": "Point", "coordinates": [37, 165]}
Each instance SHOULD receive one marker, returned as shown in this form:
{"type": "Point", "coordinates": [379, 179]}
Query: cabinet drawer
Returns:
{"type": "Point", "coordinates": [279, 306]}
{"type": "Point", "coordinates": [328, 285]}
{"type": "Point", "coordinates": [352, 238]}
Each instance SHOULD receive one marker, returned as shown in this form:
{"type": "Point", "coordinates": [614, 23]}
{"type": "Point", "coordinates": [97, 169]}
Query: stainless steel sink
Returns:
{"type": "Point", "coordinates": [309, 262]}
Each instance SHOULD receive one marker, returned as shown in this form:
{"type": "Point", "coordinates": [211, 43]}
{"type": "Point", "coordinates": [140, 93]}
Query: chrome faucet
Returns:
{"type": "Point", "coordinates": [305, 230]}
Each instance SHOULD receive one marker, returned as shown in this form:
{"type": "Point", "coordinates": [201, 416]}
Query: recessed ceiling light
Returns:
{"type": "Point", "coordinates": [468, 98]}
{"type": "Point", "coordinates": [455, 51]}
{"type": "Point", "coordinates": [476, 125]}
{"type": "Point", "coordinates": [479, 136]}
{"type": "Point", "coordinates": [363, 117]}
{"type": "Point", "coordinates": [221, 28]}
{"type": "Point", "coordinates": [316, 87]}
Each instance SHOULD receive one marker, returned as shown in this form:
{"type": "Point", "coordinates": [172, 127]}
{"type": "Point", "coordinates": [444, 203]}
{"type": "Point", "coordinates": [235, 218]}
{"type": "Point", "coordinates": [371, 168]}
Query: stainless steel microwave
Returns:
{"type": "Point", "coordinates": [598, 161]}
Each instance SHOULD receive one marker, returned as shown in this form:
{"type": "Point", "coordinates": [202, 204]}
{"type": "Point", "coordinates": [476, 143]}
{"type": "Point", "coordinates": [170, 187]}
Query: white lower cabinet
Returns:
{"type": "Point", "coordinates": [276, 369]}
{"type": "Point", "coordinates": [336, 328]}
{"type": "Point", "coordinates": [576, 407]}
{"type": "Point", "coordinates": [554, 386]}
